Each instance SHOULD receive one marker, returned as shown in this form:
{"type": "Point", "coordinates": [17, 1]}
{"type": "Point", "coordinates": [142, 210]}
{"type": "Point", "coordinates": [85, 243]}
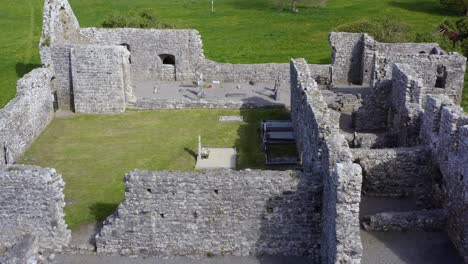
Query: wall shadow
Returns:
{"type": "Point", "coordinates": [428, 7]}
{"type": "Point", "coordinates": [249, 143]}
{"type": "Point", "coordinates": [290, 227]}
{"type": "Point", "coordinates": [23, 68]}
{"type": "Point", "coordinates": [100, 211]}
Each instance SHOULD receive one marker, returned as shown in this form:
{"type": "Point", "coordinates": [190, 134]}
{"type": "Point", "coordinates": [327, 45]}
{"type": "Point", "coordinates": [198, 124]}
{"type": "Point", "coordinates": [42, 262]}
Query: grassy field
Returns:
{"type": "Point", "coordinates": [240, 31]}
{"type": "Point", "coordinates": [154, 140]}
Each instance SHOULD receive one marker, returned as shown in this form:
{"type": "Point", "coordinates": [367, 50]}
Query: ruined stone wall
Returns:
{"type": "Point", "coordinates": [219, 212]}
{"type": "Point", "coordinates": [146, 46]}
{"type": "Point", "coordinates": [24, 118]}
{"type": "Point", "coordinates": [63, 84]}
{"type": "Point", "coordinates": [99, 78]}
{"type": "Point", "coordinates": [326, 155]}
{"type": "Point", "coordinates": [346, 57]}
{"type": "Point", "coordinates": [25, 251]}
{"type": "Point", "coordinates": [33, 203]}
{"type": "Point", "coordinates": [445, 131]}
{"type": "Point", "coordinates": [426, 67]}
{"type": "Point", "coordinates": [59, 26]}
{"type": "Point", "coordinates": [268, 72]}
{"type": "Point", "coordinates": [394, 172]}
{"type": "Point", "coordinates": [406, 109]}
{"type": "Point", "coordinates": [372, 48]}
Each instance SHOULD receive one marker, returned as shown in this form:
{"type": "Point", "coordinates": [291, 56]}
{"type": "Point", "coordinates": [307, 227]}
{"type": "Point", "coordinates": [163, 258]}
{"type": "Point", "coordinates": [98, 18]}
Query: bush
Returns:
{"type": "Point", "coordinates": [386, 29]}
{"type": "Point", "coordinates": [135, 19]}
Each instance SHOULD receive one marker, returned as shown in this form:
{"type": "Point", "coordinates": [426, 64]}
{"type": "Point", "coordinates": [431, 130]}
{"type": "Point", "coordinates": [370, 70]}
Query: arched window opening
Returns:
{"type": "Point", "coordinates": [167, 59]}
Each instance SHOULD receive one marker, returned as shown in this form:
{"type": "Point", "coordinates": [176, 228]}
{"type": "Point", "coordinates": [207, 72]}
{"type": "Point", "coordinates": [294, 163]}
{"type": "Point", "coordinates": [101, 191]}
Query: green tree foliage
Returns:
{"type": "Point", "coordinates": [293, 5]}
{"type": "Point", "coordinates": [135, 19]}
{"type": "Point", "coordinates": [457, 5]}
{"type": "Point", "coordinates": [385, 29]}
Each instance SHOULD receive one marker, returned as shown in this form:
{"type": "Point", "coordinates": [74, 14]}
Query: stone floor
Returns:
{"type": "Point", "coordinates": [415, 247]}
{"type": "Point", "coordinates": [186, 91]}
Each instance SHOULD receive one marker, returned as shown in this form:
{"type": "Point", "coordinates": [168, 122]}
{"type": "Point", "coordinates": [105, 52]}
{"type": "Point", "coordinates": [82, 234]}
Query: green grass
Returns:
{"type": "Point", "coordinates": [240, 31]}
{"type": "Point", "coordinates": [93, 152]}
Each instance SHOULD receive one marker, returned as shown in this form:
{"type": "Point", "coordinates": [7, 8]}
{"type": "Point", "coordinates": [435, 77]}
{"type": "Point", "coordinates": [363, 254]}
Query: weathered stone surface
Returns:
{"type": "Point", "coordinates": [24, 251]}
{"type": "Point", "coordinates": [407, 111]}
{"type": "Point", "coordinates": [59, 25]}
{"type": "Point", "coordinates": [32, 203]}
{"type": "Point", "coordinates": [445, 131]}
{"type": "Point", "coordinates": [430, 220]}
{"type": "Point", "coordinates": [219, 212]}
{"type": "Point", "coordinates": [100, 78]}
{"type": "Point", "coordinates": [325, 153]}
{"type": "Point", "coordinates": [394, 172]}
{"type": "Point", "coordinates": [27, 115]}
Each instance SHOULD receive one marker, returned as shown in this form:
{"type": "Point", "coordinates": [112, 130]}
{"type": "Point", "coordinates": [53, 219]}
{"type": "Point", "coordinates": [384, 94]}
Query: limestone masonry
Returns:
{"type": "Point", "coordinates": [381, 120]}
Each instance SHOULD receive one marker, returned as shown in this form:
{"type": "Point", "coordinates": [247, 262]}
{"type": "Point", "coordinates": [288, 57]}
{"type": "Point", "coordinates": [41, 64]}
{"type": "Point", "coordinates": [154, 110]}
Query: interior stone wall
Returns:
{"type": "Point", "coordinates": [32, 203]}
{"type": "Point", "coordinates": [394, 172]}
{"type": "Point", "coordinates": [220, 212]}
{"type": "Point", "coordinates": [406, 108]}
{"type": "Point", "coordinates": [24, 118]}
{"type": "Point", "coordinates": [445, 132]}
{"type": "Point", "coordinates": [99, 78]}
{"type": "Point", "coordinates": [347, 57]}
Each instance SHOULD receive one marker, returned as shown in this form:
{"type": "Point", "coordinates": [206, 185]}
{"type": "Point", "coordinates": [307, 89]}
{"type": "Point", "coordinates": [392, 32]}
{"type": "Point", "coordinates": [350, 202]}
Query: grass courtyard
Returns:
{"type": "Point", "coordinates": [240, 31]}
{"type": "Point", "coordinates": [93, 152]}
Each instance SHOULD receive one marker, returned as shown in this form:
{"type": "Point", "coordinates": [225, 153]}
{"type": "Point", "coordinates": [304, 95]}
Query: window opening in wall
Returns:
{"type": "Point", "coordinates": [162, 215]}
{"type": "Point", "coordinates": [149, 190]}
{"type": "Point", "coordinates": [129, 50]}
{"type": "Point", "coordinates": [216, 191]}
{"type": "Point", "coordinates": [422, 52]}
{"type": "Point", "coordinates": [167, 59]}
{"type": "Point", "coordinates": [441, 76]}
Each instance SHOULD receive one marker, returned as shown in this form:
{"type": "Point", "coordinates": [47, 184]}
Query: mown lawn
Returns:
{"type": "Point", "coordinates": [240, 31]}
{"type": "Point", "coordinates": [93, 152]}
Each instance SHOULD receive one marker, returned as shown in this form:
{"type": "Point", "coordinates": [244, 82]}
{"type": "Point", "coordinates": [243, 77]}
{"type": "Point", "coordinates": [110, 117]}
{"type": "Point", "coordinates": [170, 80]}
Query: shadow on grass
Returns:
{"type": "Point", "coordinates": [101, 211]}
{"type": "Point", "coordinates": [191, 152]}
{"type": "Point", "coordinates": [23, 68]}
{"type": "Point", "coordinates": [428, 7]}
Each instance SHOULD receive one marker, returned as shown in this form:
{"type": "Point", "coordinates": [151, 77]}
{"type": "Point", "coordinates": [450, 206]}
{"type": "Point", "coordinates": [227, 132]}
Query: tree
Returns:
{"type": "Point", "coordinates": [457, 5]}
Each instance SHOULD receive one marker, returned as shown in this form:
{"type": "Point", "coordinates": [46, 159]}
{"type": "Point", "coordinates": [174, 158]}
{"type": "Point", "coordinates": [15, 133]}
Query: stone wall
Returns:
{"type": "Point", "coordinates": [347, 57]}
{"type": "Point", "coordinates": [426, 67]}
{"type": "Point", "coordinates": [394, 172]}
{"type": "Point", "coordinates": [24, 251]}
{"type": "Point", "coordinates": [147, 45]}
{"type": "Point", "coordinates": [24, 118]}
{"type": "Point", "coordinates": [406, 108]}
{"type": "Point", "coordinates": [445, 131]}
{"type": "Point", "coordinates": [219, 212]}
{"type": "Point", "coordinates": [60, 56]}
{"type": "Point", "coordinates": [326, 155]}
{"type": "Point", "coordinates": [268, 72]}
{"type": "Point", "coordinates": [100, 78]}
{"type": "Point", "coordinates": [430, 220]}
{"type": "Point", "coordinates": [33, 203]}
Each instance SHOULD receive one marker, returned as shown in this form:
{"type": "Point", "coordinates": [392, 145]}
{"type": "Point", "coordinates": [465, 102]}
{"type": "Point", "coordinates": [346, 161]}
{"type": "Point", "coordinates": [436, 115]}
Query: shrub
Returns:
{"type": "Point", "coordinates": [135, 19]}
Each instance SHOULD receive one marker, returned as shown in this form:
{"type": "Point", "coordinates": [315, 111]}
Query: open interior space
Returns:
{"type": "Point", "coordinates": [93, 152]}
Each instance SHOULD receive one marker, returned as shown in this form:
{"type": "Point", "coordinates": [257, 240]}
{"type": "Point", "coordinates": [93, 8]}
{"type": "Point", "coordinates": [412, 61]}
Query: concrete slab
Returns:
{"type": "Point", "coordinates": [219, 158]}
{"type": "Point", "coordinates": [261, 93]}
